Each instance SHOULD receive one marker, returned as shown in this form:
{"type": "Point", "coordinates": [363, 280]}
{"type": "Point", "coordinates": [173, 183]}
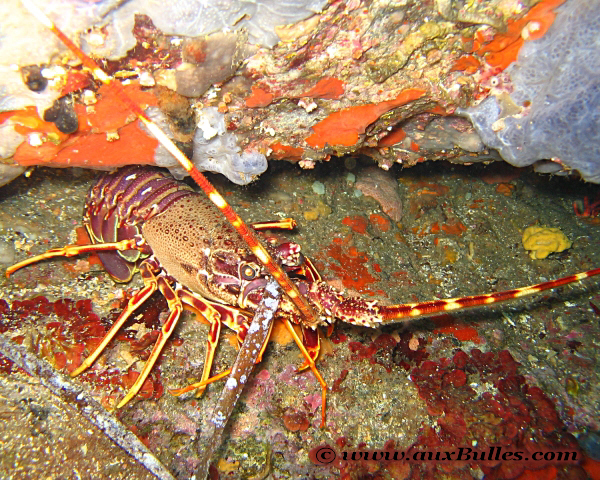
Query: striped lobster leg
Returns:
{"type": "Point", "coordinates": [216, 315]}
{"type": "Point", "coordinates": [74, 250]}
{"type": "Point", "coordinates": [283, 224]}
{"type": "Point", "coordinates": [175, 310]}
{"type": "Point", "coordinates": [150, 286]}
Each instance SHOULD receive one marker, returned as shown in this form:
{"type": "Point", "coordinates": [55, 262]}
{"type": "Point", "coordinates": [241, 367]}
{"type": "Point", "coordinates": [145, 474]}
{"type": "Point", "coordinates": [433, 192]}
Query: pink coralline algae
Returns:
{"type": "Point", "coordinates": [381, 185]}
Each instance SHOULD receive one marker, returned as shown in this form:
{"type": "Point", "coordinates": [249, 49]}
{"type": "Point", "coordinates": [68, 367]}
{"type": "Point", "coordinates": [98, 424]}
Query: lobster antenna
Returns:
{"type": "Point", "coordinates": [214, 196]}
{"type": "Point", "coordinates": [407, 311]}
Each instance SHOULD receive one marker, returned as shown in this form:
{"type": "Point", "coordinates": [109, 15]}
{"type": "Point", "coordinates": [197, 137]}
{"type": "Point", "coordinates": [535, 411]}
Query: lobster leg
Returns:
{"type": "Point", "coordinates": [73, 250]}
{"type": "Point", "coordinates": [215, 315]}
{"type": "Point", "coordinates": [175, 310]}
{"type": "Point", "coordinates": [311, 364]}
{"type": "Point", "coordinates": [208, 380]}
{"type": "Point", "coordinates": [311, 339]}
{"type": "Point", "coordinates": [228, 316]}
{"type": "Point", "coordinates": [283, 224]}
{"type": "Point", "coordinates": [150, 286]}
{"type": "Point", "coordinates": [211, 347]}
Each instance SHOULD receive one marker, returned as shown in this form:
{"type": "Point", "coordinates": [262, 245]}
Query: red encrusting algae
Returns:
{"type": "Point", "coordinates": [508, 417]}
{"type": "Point", "coordinates": [295, 420]}
{"type": "Point", "coordinates": [512, 417]}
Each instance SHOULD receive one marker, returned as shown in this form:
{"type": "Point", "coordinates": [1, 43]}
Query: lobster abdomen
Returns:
{"type": "Point", "coordinates": [119, 204]}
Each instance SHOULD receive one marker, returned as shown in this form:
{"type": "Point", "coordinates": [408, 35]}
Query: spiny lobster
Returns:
{"type": "Point", "coordinates": [139, 218]}
{"type": "Point", "coordinates": [151, 221]}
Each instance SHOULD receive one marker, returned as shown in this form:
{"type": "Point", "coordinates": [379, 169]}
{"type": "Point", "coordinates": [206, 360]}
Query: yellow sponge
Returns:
{"type": "Point", "coordinates": [542, 241]}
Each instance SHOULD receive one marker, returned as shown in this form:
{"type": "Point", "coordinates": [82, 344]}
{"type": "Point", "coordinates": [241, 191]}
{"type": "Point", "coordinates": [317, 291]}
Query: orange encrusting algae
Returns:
{"type": "Point", "coordinates": [454, 227]}
{"type": "Point", "coordinates": [329, 88]}
{"type": "Point", "coordinates": [392, 138]}
{"type": "Point", "coordinates": [504, 47]}
{"type": "Point", "coordinates": [342, 128]}
{"type": "Point", "coordinates": [281, 151]}
{"type": "Point", "coordinates": [467, 63]}
{"type": "Point", "coordinates": [109, 113]}
{"type": "Point", "coordinates": [505, 189]}
{"type": "Point", "coordinates": [92, 150]}
{"type": "Point", "coordinates": [259, 98]}
{"type": "Point", "coordinates": [460, 332]}
{"type": "Point", "coordinates": [379, 222]}
{"type": "Point", "coordinates": [352, 268]}
{"type": "Point", "coordinates": [90, 146]}
{"type": "Point", "coordinates": [357, 223]}
{"type": "Point", "coordinates": [76, 81]}
{"type": "Point", "coordinates": [28, 121]}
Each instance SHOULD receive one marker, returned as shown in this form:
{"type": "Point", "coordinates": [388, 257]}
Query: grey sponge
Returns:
{"type": "Point", "coordinates": [216, 150]}
{"type": "Point", "coordinates": [556, 89]}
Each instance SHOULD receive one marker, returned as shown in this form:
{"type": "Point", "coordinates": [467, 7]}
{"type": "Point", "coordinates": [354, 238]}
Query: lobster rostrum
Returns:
{"type": "Point", "coordinates": [140, 218]}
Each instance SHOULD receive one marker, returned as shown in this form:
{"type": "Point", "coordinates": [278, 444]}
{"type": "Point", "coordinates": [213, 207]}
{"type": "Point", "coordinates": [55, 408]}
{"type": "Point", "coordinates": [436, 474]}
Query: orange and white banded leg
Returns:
{"type": "Point", "coordinates": [211, 345]}
{"type": "Point", "coordinates": [74, 250]}
{"type": "Point", "coordinates": [208, 380]}
{"type": "Point", "coordinates": [283, 224]}
{"type": "Point", "coordinates": [150, 286]}
{"type": "Point", "coordinates": [213, 317]}
{"type": "Point", "coordinates": [216, 314]}
{"type": "Point", "coordinates": [311, 339]}
{"type": "Point", "coordinates": [175, 310]}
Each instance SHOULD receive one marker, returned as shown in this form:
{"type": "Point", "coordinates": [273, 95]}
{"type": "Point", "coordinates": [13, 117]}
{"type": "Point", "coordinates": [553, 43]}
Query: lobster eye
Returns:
{"type": "Point", "coordinates": [248, 272]}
